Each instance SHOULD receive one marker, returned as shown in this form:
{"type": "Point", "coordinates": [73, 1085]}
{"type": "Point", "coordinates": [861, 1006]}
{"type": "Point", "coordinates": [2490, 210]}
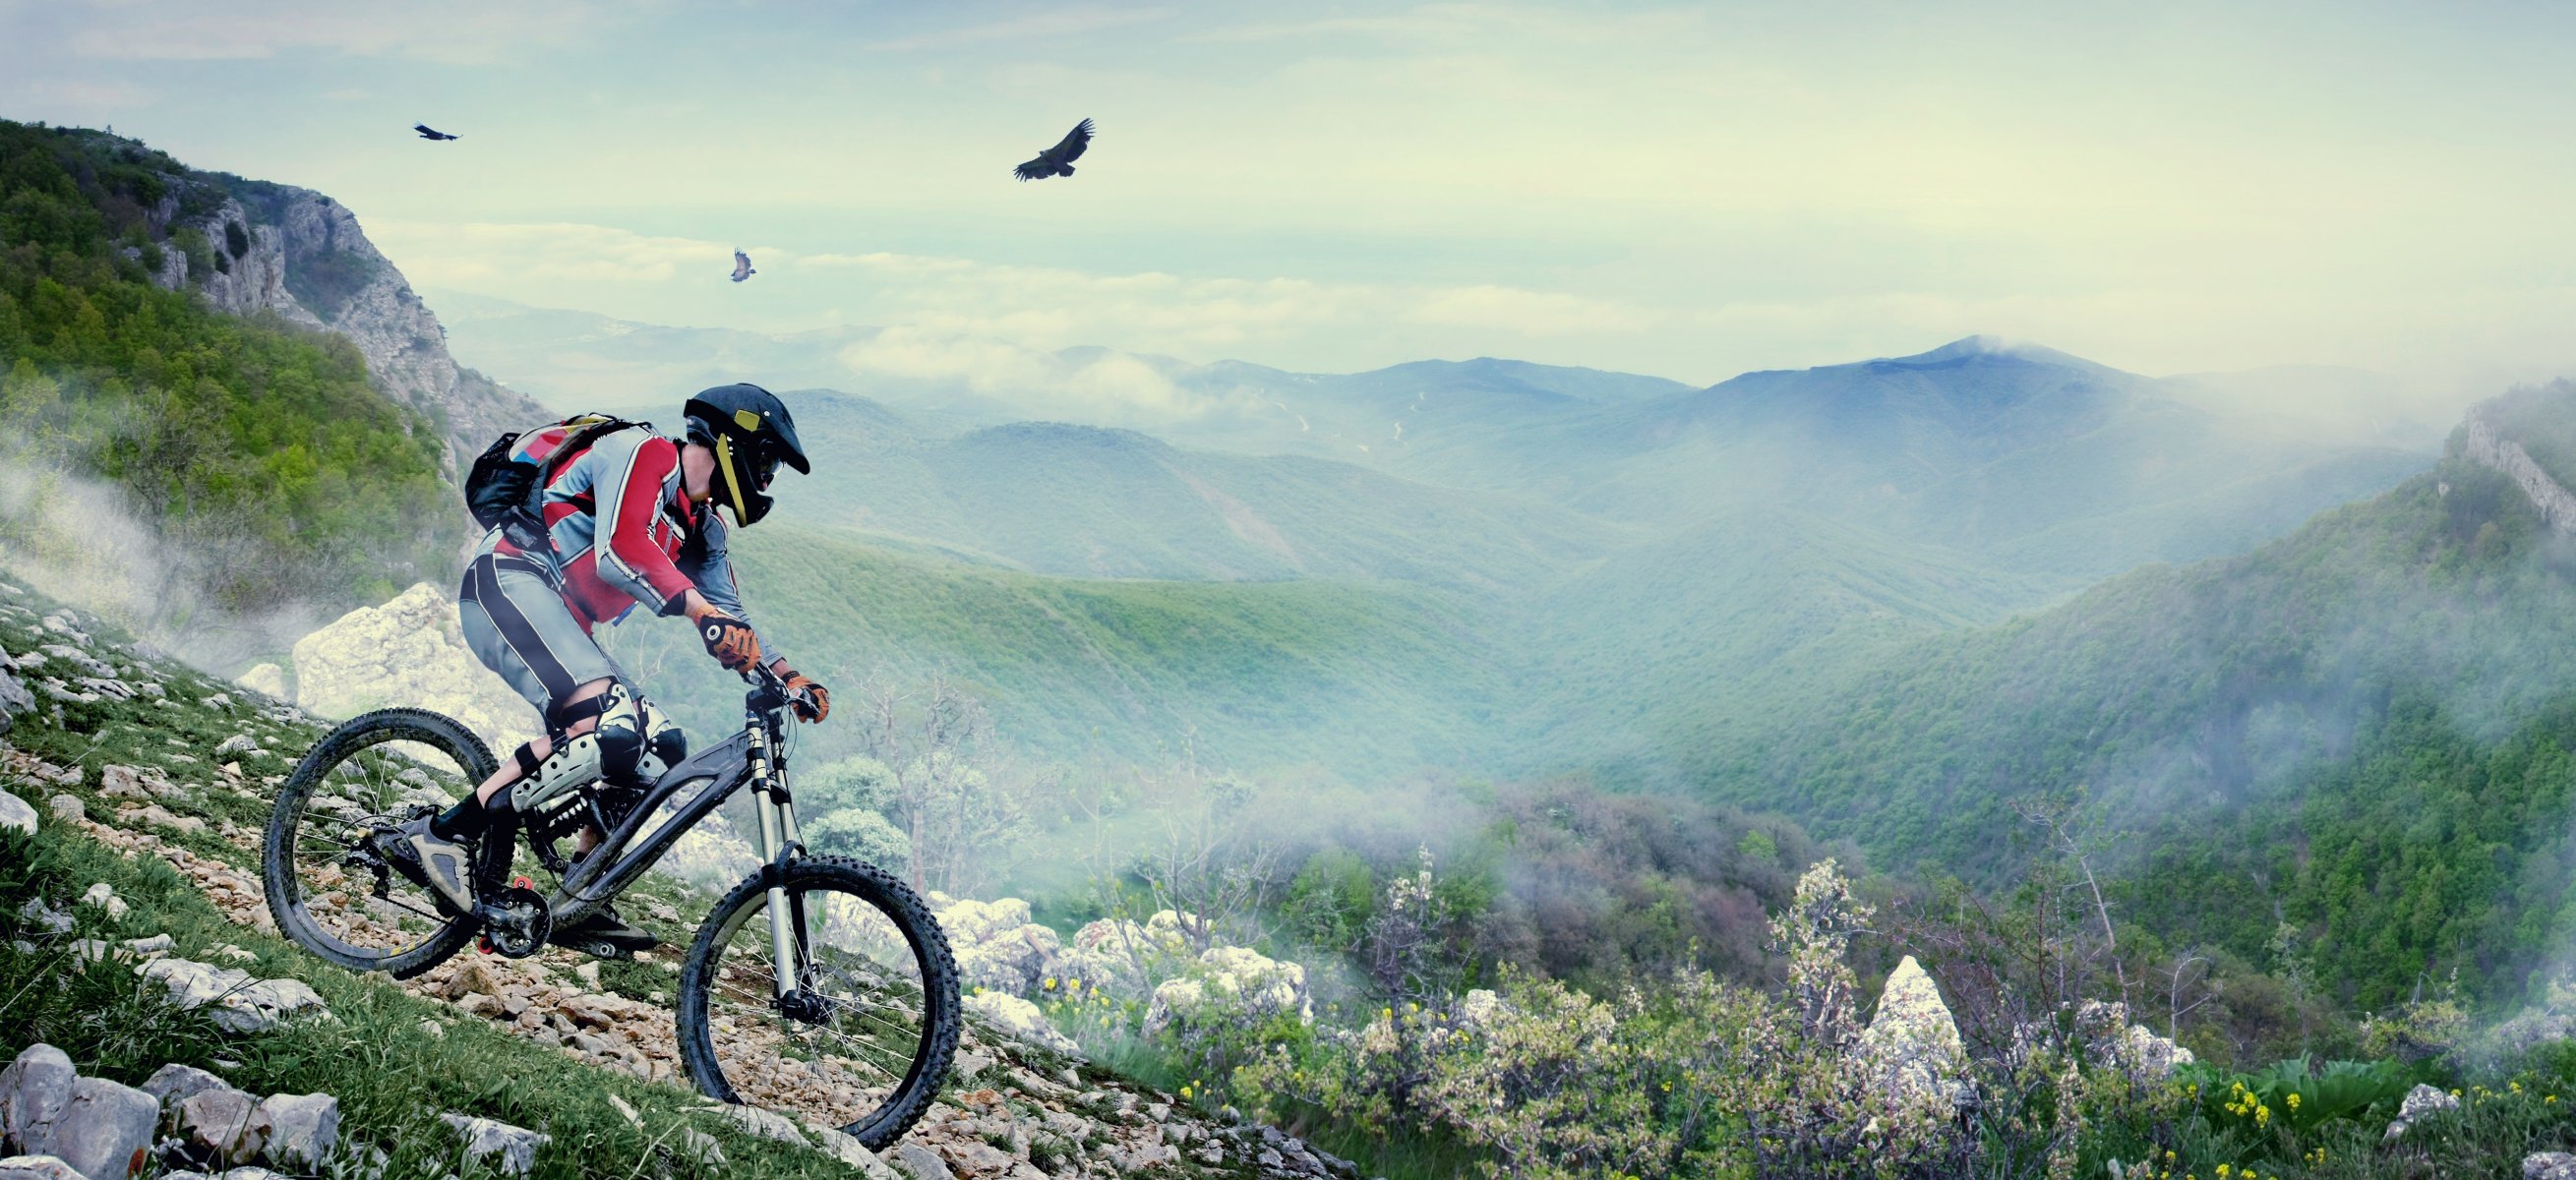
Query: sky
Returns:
{"type": "Point", "coordinates": [1690, 191]}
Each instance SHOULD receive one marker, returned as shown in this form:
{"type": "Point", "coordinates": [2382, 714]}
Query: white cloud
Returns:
{"type": "Point", "coordinates": [503, 260]}
{"type": "Point", "coordinates": [465, 32]}
{"type": "Point", "coordinates": [1113, 387]}
{"type": "Point", "coordinates": [1063, 22]}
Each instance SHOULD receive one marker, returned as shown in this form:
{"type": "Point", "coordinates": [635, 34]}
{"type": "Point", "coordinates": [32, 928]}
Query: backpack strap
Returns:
{"type": "Point", "coordinates": [528, 529]}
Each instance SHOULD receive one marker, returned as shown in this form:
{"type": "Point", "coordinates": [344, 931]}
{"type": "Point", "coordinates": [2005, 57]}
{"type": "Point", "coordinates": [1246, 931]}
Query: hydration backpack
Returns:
{"type": "Point", "coordinates": [505, 489]}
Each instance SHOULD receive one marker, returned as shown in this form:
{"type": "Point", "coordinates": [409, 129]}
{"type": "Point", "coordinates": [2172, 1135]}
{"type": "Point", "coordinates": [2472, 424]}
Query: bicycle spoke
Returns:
{"type": "Point", "coordinates": [862, 978]}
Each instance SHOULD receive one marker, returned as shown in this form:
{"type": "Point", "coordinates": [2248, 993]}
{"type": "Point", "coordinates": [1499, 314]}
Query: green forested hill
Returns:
{"type": "Point", "coordinates": [2362, 729]}
{"type": "Point", "coordinates": [1255, 675]}
{"type": "Point", "coordinates": [2170, 685]}
{"type": "Point", "coordinates": [257, 451]}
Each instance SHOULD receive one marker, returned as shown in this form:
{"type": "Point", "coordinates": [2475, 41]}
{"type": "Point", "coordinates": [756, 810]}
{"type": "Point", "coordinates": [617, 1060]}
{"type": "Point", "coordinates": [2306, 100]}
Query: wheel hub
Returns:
{"type": "Point", "coordinates": [804, 1007]}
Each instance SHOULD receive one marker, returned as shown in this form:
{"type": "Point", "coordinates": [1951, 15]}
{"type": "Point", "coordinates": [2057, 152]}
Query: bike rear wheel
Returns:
{"type": "Point", "coordinates": [863, 1042]}
{"type": "Point", "coordinates": [329, 885]}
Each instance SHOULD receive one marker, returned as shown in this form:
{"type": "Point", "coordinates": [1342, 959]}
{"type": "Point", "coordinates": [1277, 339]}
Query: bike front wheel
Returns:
{"type": "Point", "coordinates": [862, 1038]}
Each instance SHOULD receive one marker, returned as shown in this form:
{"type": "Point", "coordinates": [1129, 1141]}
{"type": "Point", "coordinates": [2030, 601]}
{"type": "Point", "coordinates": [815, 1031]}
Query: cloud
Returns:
{"type": "Point", "coordinates": [1111, 387]}
{"type": "Point", "coordinates": [466, 32]}
{"type": "Point", "coordinates": [502, 259]}
{"type": "Point", "coordinates": [1064, 22]}
{"type": "Point", "coordinates": [1153, 310]}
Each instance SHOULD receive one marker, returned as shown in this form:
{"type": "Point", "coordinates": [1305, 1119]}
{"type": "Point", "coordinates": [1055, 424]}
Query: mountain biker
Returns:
{"type": "Point", "coordinates": [629, 520]}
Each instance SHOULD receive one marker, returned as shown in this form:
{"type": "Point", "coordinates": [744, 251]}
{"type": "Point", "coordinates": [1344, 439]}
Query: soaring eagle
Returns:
{"type": "Point", "coordinates": [742, 266]}
{"type": "Point", "coordinates": [1058, 160]}
{"type": "Point", "coordinates": [426, 132]}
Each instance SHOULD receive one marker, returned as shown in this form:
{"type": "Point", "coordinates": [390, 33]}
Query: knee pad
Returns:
{"type": "Point", "coordinates": [664, 745]}
{"type": "Point", "coordinates": [637, 741]}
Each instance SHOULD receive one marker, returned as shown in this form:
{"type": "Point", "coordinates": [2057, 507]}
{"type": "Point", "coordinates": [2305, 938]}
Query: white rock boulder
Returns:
{"type": "Point", "coordinates": [409, 651]}
{"type": "Point", "coordinates": [1231, 985]}
{"type": "Point", "coordinates": [264, 678]}
{"type": "Point", "coordinates": [1912, 1047]}
{"type": "Point", "coordinates": [1021, 1019]}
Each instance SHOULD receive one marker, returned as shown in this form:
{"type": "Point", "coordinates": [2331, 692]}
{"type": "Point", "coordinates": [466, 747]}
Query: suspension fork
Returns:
{"type": "Point", "coordinates": [788, 933]}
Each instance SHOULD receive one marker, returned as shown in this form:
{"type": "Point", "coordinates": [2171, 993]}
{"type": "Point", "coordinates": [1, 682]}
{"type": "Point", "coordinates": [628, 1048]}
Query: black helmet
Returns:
{"type": "Point", "coordinates": [748, 429]}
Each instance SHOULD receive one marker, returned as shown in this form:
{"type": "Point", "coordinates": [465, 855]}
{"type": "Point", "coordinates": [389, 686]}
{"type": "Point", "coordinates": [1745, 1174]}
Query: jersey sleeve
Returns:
{"type": "Point", "coordinates": [709, 566]}
{"type": "Point", "coordinates": [630, 471]}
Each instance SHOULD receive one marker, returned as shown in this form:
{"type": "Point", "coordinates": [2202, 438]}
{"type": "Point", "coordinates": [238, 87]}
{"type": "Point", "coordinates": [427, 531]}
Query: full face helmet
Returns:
{"type": "Point", "coordinates": [751, 433]}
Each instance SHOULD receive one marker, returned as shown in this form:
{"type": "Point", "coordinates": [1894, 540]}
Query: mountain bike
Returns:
{"type": "Point", "coordinates": [820, 986]}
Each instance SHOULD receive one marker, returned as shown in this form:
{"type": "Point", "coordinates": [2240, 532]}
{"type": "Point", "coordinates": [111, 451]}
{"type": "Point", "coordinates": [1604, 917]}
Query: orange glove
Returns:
{"type": "Point", "coordinates": [728, 639]}
{"type": "Point", "coordinates": [809, 699]}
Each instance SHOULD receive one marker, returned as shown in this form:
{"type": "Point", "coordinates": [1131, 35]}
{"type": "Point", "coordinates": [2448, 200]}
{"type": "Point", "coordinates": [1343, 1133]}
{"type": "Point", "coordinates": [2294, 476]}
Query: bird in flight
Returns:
{"type": "Point", "coordinates": [742, 266]}
{"type": "Point", "coordinates": [426, 132]}
{"type": "Point", "coordinates": [1058, 160]}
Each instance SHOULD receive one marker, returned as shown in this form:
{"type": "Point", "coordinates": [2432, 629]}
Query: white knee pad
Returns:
{"type": "Point", "coordinates": [637, 741]}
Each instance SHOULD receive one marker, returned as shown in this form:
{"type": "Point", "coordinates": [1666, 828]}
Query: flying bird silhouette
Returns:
{"type": "Point", "coordinates": [742, 266]}
{"type": "Point", "coordinates": [1058, 160]}
{"type": "Point", "coordinates": [426, 132]}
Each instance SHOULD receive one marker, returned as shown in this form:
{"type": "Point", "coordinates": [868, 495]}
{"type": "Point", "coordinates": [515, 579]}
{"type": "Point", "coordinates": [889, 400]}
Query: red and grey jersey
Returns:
{"type": "Point", "coordinates": [622, 529]}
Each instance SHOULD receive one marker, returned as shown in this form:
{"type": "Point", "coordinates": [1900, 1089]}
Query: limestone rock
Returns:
{"type": "Point", "coordinates": [16, 814]}
{"type": "Point", "coordinates": [409, 651]}
{"type": "Point", "coordinates": [267, 679]}
{"type": "Point", "coordinates": [102, 896]}
{"type": "Point", "coordinates": [39, 1167]}
{"type": "Point", "coordinates": [847, 1149]}
{"type": "Point", "coordinates": [63, 806]}
{"type": "Point", "coordinates": [34, 1090]}
{"type": "Point", "coordinates": [298, 1130]}
{"type": "Point", "coordinates": [242, 1004]}
{"type": "Point", "coordinates": [15, 700]}
{"type": "Point", "coordinates": [997, 945]}
{"type": "Point", "coordinates": [768, 1124]}
{"type": "Point", "coordinates": [512, 1151]}
{"type": "Point", "coordinates": [918, 1162]}
{"type": "Point", "coordinates": [1019, 1018]}
{"type": "Point", "coordinates": [1912, 1044]}
{"type": "Point", "coordinates": [2421, 1103]}
{"type": "Point", "coordinates": [1232, 984]}
{"type": "Point", "coordinates": [175, 1083]}
{"type": "Point", "coordinates": [2549, 1165]}
{"type": "Point", "coordinates": [44, 917]}
{"type": "Point", "coordinates": [104, 1132]}
{"type": "Point", "coordinates": [215, 1126]}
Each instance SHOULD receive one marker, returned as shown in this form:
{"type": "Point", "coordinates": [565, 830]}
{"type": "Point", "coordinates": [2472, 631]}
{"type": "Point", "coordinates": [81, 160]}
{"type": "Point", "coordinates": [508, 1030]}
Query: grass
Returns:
{"type": "Point", "coordinates": [391, 1076]}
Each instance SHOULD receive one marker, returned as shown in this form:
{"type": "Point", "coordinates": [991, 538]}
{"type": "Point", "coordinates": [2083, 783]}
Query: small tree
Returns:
{"type": "Point", "coordinates": [932, 740]}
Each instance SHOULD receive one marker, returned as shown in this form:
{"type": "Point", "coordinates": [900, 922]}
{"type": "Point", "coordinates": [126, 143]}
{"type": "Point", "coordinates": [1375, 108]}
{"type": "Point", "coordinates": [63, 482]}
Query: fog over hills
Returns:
{"type": "Point", "coordinates": [1653, 555]}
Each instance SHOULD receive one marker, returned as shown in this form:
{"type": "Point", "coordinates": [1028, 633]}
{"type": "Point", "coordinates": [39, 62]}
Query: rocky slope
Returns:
{"type": "Point", "coordinates": [157, 763]}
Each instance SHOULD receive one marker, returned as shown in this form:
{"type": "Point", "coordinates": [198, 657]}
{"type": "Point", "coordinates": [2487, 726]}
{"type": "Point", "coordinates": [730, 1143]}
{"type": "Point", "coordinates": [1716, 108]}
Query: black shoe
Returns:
{"type": "Point", "coordinates": [604, 935]}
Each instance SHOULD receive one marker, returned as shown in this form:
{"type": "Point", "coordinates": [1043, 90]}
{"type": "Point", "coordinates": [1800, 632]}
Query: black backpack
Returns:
{"type": "Point", "coordinates": [504, 491]}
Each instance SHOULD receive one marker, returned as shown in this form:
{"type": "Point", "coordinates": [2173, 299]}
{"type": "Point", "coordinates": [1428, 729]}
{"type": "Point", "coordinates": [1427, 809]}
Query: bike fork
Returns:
{"type": "Point", "coordinates": [787, 933]}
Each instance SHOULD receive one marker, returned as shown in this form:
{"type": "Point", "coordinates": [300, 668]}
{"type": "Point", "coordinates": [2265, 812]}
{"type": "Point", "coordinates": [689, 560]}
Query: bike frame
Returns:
{"type": "Point", "coordinates": [754, 757]}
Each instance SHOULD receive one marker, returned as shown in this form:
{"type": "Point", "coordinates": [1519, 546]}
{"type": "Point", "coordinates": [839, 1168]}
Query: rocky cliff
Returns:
{"type": "Point", "coordinates": [2556, 506]}
{"type": "Point", "coordinates": [302, 255]}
